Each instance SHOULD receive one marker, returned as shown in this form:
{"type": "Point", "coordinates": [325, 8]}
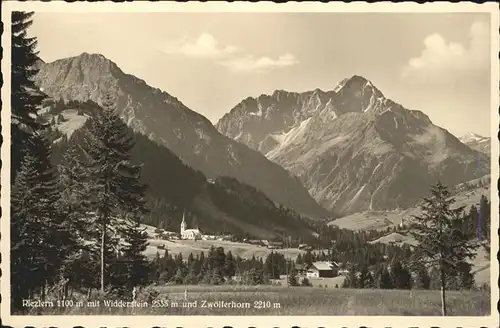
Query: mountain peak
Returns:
{"type": "Point", "coordinates": [95, 55]}
{"type": "Point", "coordinates": [358, 78]}
{"type": "Point", "coordinates": [354, 82]}
{"type": "Point", "coordinates": [280, 94]}
{"type": "Point", "coordinates": [358, 82]}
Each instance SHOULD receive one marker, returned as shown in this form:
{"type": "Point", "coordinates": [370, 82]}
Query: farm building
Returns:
{"type": "Point", "coordinates": [166, 235]}
{"type": "Point", "coordinates": [343, 272]}
{"type": "Point", "coordinates": [321, 270]}
{"type": "Point", "coordinates": [275, 244]}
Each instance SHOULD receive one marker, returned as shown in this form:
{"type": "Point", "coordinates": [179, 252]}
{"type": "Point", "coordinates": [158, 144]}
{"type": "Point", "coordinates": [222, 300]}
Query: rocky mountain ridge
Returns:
{"type": "Point", "coordinates": [352, 147]}
{"type": "Point", "coordinates": [164, 119]}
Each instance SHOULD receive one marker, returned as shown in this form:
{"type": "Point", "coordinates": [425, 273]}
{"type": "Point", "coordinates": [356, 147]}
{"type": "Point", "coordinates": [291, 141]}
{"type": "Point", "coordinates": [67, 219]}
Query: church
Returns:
{"type": "Point", "coordinates": [188, 233]}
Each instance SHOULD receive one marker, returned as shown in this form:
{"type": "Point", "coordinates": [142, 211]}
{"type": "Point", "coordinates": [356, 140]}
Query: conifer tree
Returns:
{"type": "Point", "coordinates": [26, 98]}
{"type": "Point", "coordinates": [41, 239]}
{"type": "Point", "coordinates": [75, 194]}
{"type": "Point", "coordinates": [465, 278]}
{"type": "Point", "coordinates": [423, 279]}
{"type": "Point", "coordinates": [308, 258]}
{"type": "Point", "coordinates": [114, 181]}
{"type": "Point", "coordinates": [484, 215]}
{"type": "Point", "coordinates": [440, 242]}
{"type": "Point", "coordinates": [132, 201]}
{"type": "Point", "coordinates": [400, 275]}
{"type": "Point", "coordinates": [230, 265]}
{"type": "Point", "coordinates": [292, 278]}
{"type": "Point", "coordinates": [385, 280]}
{"type": "Point", "coordinates": [137, 266]}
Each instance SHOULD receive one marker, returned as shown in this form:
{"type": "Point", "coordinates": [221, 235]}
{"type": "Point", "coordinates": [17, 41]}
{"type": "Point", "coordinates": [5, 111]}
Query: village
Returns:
{"type": "Point", "coordinates": [318, 273]}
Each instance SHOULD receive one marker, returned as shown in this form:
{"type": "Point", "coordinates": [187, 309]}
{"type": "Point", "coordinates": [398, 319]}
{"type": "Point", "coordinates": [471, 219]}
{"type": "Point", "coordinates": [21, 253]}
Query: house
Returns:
{"type": "Point", "coordinates": [343, 272]}
{"type": "Point", "coordinates": [275, 244]}
{"type": "Point", "coordinates": [321, 270]}
{"type": "Point", "coordinates": [237, 278]}
{"type": "Point", "coordinates": [228, 237]}
{"type": "Point", "coordinates": [208, 237]}
{"type": "Point", "coordinates": [166, 235]}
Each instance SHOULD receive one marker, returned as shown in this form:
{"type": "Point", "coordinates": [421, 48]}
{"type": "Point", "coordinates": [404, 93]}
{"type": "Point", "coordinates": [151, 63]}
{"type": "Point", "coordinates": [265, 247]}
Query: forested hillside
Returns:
{"type": "Point", "coordinates": [173, 186]}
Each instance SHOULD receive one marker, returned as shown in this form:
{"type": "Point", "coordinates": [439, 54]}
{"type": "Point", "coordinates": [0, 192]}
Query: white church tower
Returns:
{"type": "Point", "coordinates": [183, 223]}
{"type": "Point", "coordinates": [188, 233]}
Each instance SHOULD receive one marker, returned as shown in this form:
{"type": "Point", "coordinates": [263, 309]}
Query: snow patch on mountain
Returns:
{"type": "Point", "coordinates": [472, 137]}
{"type": "Point", "coordinates": [433, 140]}
{"type": "Point", "coordinates": [358, 193]}
{"type": "Point", "coordinates": [477, 142]}
{"type": "Point", "coordinates": [294, 135]}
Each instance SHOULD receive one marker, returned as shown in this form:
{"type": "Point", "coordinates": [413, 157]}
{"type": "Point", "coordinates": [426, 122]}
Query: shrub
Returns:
{"type": "Point", "coordinates": [148, 294]}
{"type": "Point", "coordinates": [306, 283]}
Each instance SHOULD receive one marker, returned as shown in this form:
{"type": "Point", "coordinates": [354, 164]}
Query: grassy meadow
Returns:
{"type": "Point", "coordinates": [279, 300]}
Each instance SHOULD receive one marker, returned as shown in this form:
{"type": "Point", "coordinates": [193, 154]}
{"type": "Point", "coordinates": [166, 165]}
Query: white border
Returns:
{"type": "Point", "coordinates": [241, 321]}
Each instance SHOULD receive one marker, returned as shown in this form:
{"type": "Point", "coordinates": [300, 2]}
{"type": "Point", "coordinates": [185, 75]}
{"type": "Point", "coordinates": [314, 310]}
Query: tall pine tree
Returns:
{"type": "Point", "coordinates": [441, 242]}
{"type": "Point", "coordinates": [132, 201]}
{"type": "Point", "coordinates": [26, 98]}
{"type": "Point", "coordinates": [41, 238]}
{"type": "Point", "coordinates": [484, 216]}
{"type": "Point", "coordinates": [114, 182]}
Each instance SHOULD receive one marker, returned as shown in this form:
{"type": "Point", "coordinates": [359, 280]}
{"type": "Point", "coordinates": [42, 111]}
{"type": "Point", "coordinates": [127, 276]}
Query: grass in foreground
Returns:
{"type": "Point", "coordinates": [267, 300]}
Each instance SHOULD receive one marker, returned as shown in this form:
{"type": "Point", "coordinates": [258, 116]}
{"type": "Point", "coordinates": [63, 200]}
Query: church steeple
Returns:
{"type": "Point", "coordinates": [183, 223]}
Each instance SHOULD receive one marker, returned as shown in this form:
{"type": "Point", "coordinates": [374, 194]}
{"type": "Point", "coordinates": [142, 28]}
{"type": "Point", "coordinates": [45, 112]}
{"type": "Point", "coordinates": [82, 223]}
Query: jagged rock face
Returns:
{"type": "Point", "coordinates": [164, 119]}
{"type": "Point", "coordinates": [477, 142]}
{"type": "Point", "coordinates": [353, 148]}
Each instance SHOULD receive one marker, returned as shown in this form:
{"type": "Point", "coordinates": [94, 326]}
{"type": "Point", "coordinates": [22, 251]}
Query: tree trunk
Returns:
{"type": "Point", "coordinates": [443, 293]}
{"type": "Point", "coordinates": [103, 244]}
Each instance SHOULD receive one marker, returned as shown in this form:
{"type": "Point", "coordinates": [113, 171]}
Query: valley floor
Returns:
{"type": "Point", "coordinates": [282, 300]}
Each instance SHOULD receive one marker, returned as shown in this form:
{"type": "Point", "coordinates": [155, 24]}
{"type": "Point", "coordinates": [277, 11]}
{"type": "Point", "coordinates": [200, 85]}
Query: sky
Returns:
{"type": "Point", "coordinates": [438, 63]}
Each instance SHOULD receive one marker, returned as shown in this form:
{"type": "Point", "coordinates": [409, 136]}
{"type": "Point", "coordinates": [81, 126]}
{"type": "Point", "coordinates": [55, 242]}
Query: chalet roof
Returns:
{"type": "Point", "coordinates": [322, 266]}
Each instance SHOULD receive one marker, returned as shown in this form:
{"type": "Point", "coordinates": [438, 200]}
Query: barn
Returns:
{"type": "Point", "coordinates": [320, 270]}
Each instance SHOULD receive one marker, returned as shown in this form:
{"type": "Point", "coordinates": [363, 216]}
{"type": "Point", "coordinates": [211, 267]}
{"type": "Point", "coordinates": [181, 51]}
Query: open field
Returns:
{"type": "Point", "coordinates": [196, 247]}
{"type": "Point", "coordinates": [274, 300]}
{"type": "Point", "coordinates": [185, 246]}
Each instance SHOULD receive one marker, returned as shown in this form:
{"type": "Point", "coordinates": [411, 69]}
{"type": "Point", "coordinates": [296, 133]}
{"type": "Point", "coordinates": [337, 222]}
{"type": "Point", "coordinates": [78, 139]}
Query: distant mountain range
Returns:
{"type": "Point", "coordinates": [353, 148]}
{"type": "Point", "coordinates": [165, 120]}
{"type": "Point", "coordinates": [477, 142]}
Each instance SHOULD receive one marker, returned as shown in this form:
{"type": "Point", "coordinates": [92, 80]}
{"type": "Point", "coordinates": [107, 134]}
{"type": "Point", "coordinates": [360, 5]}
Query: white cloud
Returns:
{"type": "Point", "coordinates": [443, 62]}
{"type": "Point", "coordinates": [249, 63]}
{"type": "Point", "coordinates": [204, 46]}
